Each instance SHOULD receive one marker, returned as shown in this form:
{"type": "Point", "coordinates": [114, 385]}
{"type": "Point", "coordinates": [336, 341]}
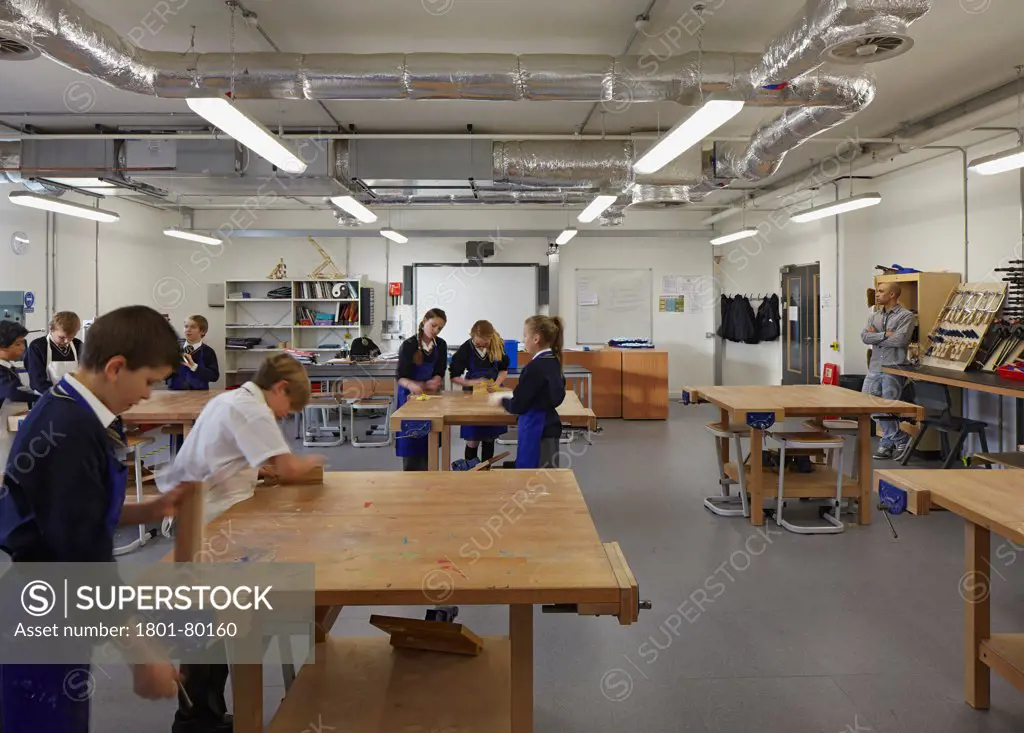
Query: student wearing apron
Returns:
{"type": "Point", "coordinates": [49, 358]}
{"type": "Point", "coordinates": [14, 398]}
{"type": "Point", "coordinates": [422, 362]}
{"type": "Point", "coordinates": [540, 391]}
{"type": "Point", "coordinates": [482, 358]}
{"type": "Point", "coordinates": [64, 505]}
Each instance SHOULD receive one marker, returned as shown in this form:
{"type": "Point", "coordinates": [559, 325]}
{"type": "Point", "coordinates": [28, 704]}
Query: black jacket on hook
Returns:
{"type": "Point", "coordinates": [767, 321]}
{"type": "Point", "coordinates": [737, 320]}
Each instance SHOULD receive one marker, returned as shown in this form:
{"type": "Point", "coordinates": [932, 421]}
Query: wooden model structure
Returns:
{"type": "Point", "coordinates": [326, 270]}
{"type": "Point", "coordinates": [280, 271]}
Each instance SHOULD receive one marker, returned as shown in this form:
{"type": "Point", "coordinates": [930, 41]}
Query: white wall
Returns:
{"type": "Point", "coordinates": [131, 261]}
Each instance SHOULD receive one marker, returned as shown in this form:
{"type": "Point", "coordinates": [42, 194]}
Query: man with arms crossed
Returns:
{"type": "Point", "coordinates": [888, 333]}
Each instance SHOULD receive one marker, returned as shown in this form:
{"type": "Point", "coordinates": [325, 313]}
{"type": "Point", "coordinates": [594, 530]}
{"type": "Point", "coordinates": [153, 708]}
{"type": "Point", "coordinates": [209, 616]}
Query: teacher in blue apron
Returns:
{"type": "Point", "coordinates": [422, 362]}
{"type": "Point", "coordinates": [540, 391]}
{"type": "Point", "coordinates": [480, 360]}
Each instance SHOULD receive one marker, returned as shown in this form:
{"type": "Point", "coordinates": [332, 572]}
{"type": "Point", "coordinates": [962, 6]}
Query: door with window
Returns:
{"type": "Point", "coordinates": [801, 324]}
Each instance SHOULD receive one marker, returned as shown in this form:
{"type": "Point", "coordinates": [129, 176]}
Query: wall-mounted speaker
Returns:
{"type": "Point", "coordinates": [407, 295]}
{"type": "Point", "coordinates": [543, 286]}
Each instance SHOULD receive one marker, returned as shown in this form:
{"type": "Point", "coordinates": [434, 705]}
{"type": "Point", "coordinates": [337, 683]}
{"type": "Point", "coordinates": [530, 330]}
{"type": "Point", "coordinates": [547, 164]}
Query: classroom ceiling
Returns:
{"type": "Point", "coordinates": [961, 48]}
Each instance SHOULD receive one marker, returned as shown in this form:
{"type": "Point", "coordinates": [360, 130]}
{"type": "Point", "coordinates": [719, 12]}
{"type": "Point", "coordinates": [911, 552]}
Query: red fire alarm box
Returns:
{"type": "Point", "coordinates": [394, 289]}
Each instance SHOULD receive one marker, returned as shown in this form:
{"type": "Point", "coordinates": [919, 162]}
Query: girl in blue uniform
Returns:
{"type": "Point", "coordinates": [482, 358]}
{"type": "Point", "coordinates": [422, 362]}
{"type": "Point", "coordinates": [541, 389]}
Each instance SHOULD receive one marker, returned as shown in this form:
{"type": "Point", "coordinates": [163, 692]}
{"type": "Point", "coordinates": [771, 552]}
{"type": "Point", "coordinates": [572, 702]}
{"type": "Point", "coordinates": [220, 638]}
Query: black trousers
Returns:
{"type": "Point", "coordinates": [415, 463]}
{"type": "Point", "coordinates": [205, 685]}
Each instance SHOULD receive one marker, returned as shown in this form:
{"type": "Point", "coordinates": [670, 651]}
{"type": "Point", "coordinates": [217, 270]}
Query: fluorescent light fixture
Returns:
{"type": "Point", "coordinates": [715, 218]}
{"type": "Point", "coordinates": [1007, 160]}
{"type": "Point", "coordinates": [48, 203]}
{"type": "Point", "coordinates": [735, 236]}
{"type": "Point", "coordinates": [566, 235]}
{"type": "Point", "coordinates": [394, 236]}
{"type": "Point", "coordinates": [82, 182]}
{"type": "Point", "coordinates": [353, 207]}
{"type": "Point", "coordinates": [686, 134]}
{"type": "Point", "coordinates": [221, 113]}
{"type": "Point", "coordinates": [596, 207]}
{"type": "Point", "coordinates": [838, 207]}
{"type": "Point", "coordinates": [191, 236]}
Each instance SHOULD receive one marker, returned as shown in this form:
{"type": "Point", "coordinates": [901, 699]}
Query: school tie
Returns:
{"type": "Point", "coordinates": [189, 349]}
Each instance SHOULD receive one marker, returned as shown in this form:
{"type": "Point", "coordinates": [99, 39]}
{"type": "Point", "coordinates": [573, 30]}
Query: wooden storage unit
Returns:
{"type": "Point", "coordinates": [644, 384]}
{"type": "Point", "coordinates": [605, 366]}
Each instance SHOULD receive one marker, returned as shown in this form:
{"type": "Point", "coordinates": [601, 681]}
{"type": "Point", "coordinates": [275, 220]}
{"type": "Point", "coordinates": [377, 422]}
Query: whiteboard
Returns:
{"type": "Point", "coordinates": [613, 304]}
{"type": "Point", "coordinates": [505, 295]}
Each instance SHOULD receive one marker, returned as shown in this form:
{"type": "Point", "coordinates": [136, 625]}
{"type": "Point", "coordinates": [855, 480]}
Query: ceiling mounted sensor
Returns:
{"type": "Point", "coordinates": [868, 49]}
{"type": "Point", "coordinates": [14, 50]}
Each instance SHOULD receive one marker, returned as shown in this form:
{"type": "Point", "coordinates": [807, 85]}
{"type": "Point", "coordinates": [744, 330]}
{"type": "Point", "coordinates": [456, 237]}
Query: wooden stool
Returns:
{"type": "Point", "coordinates": [811, 441]}
{"type": "Point", "coordinates": [725, 505]}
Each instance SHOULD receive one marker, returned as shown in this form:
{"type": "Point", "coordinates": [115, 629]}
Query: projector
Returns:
{"type": "Point", "coordinates": [477, 251]}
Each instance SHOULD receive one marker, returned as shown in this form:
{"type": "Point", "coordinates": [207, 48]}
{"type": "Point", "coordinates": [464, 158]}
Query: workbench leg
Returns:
{"type": "Point", "coordinates": [976, 587]}
{"type": "Point", "coordinates": [446, 448]}
{"type": "Point", "coordinates": [247, 696]}
{"type": "Point", "coordinates": [323, 619]}
{"type": "Point", "coordinates": [863, 457]}
{"type": "Point", "coordinates": [186, 428]}
{"type": "Point", "coordinates": [520, 632]}
{"type": "Point", "coordinates": [724, 420]}
{"type": "Point", "coordinates": [756, 477]}
{"type": "Point", "coordinates": [432, 440]}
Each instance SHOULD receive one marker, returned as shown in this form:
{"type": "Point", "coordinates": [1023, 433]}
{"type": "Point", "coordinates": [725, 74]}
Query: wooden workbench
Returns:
{"type": "Point", "coordinates": [171, 407]}
{"type": "Point", "coordinates": [449, 409]}
{"type": "Point", "coordinates": [989, 501]}
{"type": "Point", "coordinates": [420, 539]}
{"type": "Point", "coordinates": [762, 407]}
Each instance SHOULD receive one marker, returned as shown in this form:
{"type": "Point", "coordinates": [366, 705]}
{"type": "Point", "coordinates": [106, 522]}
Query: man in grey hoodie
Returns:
{"type": "Point", "coordinates": [888, 333]}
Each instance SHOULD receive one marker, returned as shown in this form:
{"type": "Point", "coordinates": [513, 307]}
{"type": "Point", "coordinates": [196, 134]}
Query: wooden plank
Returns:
{"type": "Point", "coordinates": [438, 636]}
{"type": "Point", "coordinates": [520, 633]}
{"type": "Point", "coordinates": [1009, 459]}
{"type": "Point", "coordinates": [462, 408]}
{"type": "Point", "coordinates": [975, 588]}
{"type": "Point", "coordinates": [990, 383]}
{"type": "Point", "coordinates": [802, 400]}
{"type": "Point", "coordinates": [446, 449]}
{"type": "Point", "coordinates": [247, 693]}
{"type": "Point", "coordinates": [432, 446]}
{"type": "Point", "coordinates": [1004, 655]}
{"type": "Point", "coordinates": [170, 406]}
{"type": "Point", "coordinates": [630, 608]}
{"type": "Point", "coordinates": [188, 533]}
{"type": "Point", "coordinates": [991, 499]}
{"type": "Point", "coordinates": [383, 537]}
{"type": "Point", "coordinates": [644, 384]}
{"type": "Point", "coordinates": [820, 484]}
{"type": "Point", "coordinates": [363, 685]}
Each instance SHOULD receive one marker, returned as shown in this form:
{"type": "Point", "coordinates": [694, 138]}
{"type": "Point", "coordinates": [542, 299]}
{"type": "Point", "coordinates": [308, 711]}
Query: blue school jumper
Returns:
{"type": "Point", "coordinates": [207, 371]}
{"type": "Point", "coordinates": [540, 390]}
{"type": "Point", "coordinates": [406, 447]}
{"type": "Point", "coordinates": [62, 508]}
{"type": "Point", "coordinates": [477, 368]}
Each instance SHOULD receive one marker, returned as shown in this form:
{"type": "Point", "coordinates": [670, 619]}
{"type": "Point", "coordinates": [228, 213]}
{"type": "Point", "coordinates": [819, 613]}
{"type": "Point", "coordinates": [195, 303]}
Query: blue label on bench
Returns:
{"type": "Point", "coordinates": [760, 420]}
{"type": "Point", "coordinates": [894, 499]}
{"type": "Point", "coordinates": [415, 428]}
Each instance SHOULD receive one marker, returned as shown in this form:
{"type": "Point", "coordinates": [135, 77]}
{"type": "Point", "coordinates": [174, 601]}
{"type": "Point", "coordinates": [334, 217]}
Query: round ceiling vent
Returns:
{"type": "Point", "coordinates": [12, 50]}
{"type": "Point", "coordinates": [869, 49]}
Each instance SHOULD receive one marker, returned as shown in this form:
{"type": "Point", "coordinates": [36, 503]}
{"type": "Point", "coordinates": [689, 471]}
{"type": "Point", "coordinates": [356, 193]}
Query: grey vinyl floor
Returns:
{"type": "Point", "coordinates": [752, 630]}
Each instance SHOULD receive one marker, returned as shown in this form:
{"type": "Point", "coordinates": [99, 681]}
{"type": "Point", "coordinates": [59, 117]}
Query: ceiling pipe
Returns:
{"type": "Point", "coordinates": [963, 117]}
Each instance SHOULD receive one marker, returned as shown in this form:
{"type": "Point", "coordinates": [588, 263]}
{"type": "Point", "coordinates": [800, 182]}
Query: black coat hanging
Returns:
{"type": "Point", "coordinates": [767, 320]}
{"type": "Point", "coordinates": [743, 320]}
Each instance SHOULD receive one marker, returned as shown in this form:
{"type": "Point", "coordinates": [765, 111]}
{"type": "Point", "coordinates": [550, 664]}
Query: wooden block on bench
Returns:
{"type": "Point", "coordinates": [315, 476]}
{"type": "Point", "coordinates": [435, 636]}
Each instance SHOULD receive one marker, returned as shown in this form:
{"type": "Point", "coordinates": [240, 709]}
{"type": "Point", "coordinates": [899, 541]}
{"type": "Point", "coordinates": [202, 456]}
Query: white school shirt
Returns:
{"type": "Point", "coordinates": [235, 434]}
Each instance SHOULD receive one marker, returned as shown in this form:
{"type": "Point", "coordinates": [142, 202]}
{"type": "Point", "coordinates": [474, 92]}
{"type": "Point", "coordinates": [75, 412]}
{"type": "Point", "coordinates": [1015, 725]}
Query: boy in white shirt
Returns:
{"type": "Point", "coordinates": [235, 435]}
